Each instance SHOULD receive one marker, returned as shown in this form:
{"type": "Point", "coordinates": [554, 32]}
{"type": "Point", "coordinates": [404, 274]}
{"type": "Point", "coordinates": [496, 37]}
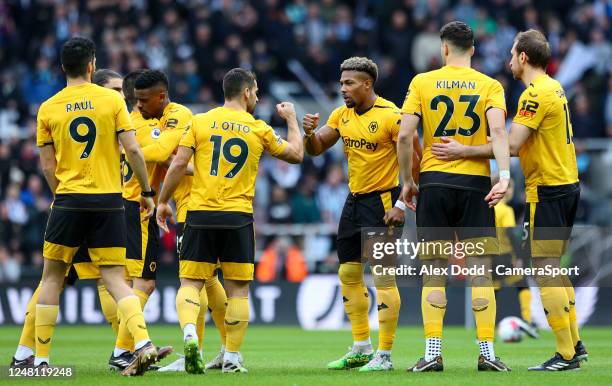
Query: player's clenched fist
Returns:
{"type": "Point", "coordinates": [286, 110]}
{"type": "Point", "coordinates": [310, 122]}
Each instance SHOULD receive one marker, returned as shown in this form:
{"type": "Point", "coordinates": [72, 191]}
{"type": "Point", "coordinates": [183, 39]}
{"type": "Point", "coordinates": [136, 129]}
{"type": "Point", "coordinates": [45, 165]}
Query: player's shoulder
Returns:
{"type": "Point", "coordinates": [385, 104]}
{"type": "Point", "coordinates": [386, 108]}
{"type": "Point", "coordinates": [177, 109]}
{"type": "Point", "coordinates": [545, 86]}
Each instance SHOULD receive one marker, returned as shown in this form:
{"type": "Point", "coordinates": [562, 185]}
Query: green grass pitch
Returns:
{"type": "Point", "coordinates": [291, 356]}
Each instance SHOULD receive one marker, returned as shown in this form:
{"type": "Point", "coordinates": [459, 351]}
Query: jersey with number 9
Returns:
{"type": "Point", "coordinates": [228, 145]}
{"type": "Point", "coordinates": [452, 102]}
{"type": "Point", "coordinates": [82, 123]}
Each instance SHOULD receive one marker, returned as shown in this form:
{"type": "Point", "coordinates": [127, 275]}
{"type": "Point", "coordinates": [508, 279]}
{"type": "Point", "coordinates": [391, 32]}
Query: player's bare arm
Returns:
{"type": "Point", "coordinates": [173, 178]}
{"type": "Point", "coordinates": [499, 142]}
{"type": "Point", "coordinates": [48, 165]}
{"type": "Point", "coordinates": [405, 150]}
{"type": "Point", "coordinates": [450, 150]}
{"type": "Point", "coordinates": [294, 150]}
{"type": "Point", "coordinates": [317, 141]}
{"type": "Point", "coordinates": [137, 162]}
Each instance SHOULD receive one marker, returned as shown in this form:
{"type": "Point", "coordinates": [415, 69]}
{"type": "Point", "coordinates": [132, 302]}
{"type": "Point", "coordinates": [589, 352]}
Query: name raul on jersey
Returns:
{"type": "Point", "coordinates": [79, 106]}
{"type": "Point", "coordinates": [361, 143]}
{"type": "Point", "coordinates": [460, 84]}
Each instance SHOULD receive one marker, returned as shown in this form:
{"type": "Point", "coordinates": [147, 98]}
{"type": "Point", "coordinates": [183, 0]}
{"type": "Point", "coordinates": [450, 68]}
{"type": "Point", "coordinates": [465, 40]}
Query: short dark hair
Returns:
{"type": "Point", "coordinates": [360, 64]}
{"type": "Point", "coordinates": [151, 78]}
{"type": "Point", "coordinates": [458, 34]}
{"type": "Point", "coordinates": [76, 54]}
{"type": "Point", "coordinates": [128, 85]}
{"type": "Point", "coordinates": [103, 75]}
{"type": "Point", "coordinates": [236, 80]}
{"type": "Point", "coordinates": [534, 44]}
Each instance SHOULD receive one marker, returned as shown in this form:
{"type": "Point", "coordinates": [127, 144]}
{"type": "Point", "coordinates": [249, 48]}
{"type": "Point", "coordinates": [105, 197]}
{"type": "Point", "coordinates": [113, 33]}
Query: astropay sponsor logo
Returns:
{"type": "Point", "coordinates": [360, 143]}
{"type": "Point", "coordinates": [320, 305]}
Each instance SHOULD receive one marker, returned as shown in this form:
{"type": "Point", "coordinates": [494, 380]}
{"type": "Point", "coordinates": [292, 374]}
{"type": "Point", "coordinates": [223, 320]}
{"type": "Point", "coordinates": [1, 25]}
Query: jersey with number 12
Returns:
{"type": "Point", "coordinates": [82, 122]}
{"type": "Point", "coordinates": [452, 102]}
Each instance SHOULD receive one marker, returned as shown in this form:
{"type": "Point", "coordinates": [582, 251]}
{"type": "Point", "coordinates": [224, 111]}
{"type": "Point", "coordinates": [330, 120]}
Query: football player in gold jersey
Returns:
{"type": "Point", "coordinates": [77, 132]}
{"type": "Point", "coordinates": [142, 232]}
{"type": "Point", "coordinates": [227, 143]}
{"type": "Point", "coordinates": [456, 199]}
{"type": "Point", "coordinates": [153, 102]}
{"type": "Point", "coordinates": [82, 267]}
{"type": "Point", "coordinates": [368, 126]}
{"type": "Point", "coordinates": [541, 135]}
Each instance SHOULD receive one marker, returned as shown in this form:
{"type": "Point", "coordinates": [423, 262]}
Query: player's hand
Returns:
{"type": "Point", "coordinates": [164, 212]}
{"type": "Point", "coordinates": [498, 191]}
{"type": "Point", "coordinates": [147, 205]}
{"type": "Point", "coordinates": [286, 110]}
{"type": "Point", "coordinates": [409, 191]}
{"type": "Point", "coordinates": [448, 149]}
{"type": "Point", "coordinates": [310, 122]}
{"type": "Point", "coordinates": [394, 217]}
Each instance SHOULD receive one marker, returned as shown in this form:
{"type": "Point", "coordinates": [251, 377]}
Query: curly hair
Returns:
{"type": "Point", "coordinates": [360, 64]}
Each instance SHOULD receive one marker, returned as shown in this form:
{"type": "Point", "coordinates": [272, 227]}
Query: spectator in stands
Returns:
{"type": "Point", "coordinates": [281, 260]}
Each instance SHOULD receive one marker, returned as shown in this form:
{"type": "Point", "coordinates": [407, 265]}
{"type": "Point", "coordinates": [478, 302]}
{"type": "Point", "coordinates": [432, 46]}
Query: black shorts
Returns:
{"type": "Point", "coordinates": [206, 247]}
{"type": "Point", "coordinates": [362, 211]}
{"type": "Point", "coordinates": [78, 219]}
{"type": "Point", "coordinates": [548, 225]}
{"type": "Point", "coordinates": [459, 213]}
{"type": "Point", "coordinates": [180, 227]}
{"type": "Point", "coordinates": [142, 241]}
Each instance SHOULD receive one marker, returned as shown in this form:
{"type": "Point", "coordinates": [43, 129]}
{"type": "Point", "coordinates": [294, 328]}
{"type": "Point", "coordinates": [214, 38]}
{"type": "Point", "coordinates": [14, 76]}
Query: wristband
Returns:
{"type": "Point", "coordinates": [504, 174]}
{"type": "Point", "coordinates": [150, 193]}
{"type": "Point", "coordinates": [400, 204]}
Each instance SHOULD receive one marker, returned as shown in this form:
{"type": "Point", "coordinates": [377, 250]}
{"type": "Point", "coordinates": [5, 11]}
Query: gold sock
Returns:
{"type": "Point", "coordinates": [433, 308]}
{"type": "Point", "coordinates": [356, 299]}
{"type": "Point", "coordinates": [236, 322]}
{"type": "Point", "coordinates": [201, 320]}
{"type": "Point", "coordinates": [109, 308]}
{"type": "Point", "coordinates": [131, 314]}
{"type": "Point", "coordinates": [124, 339]}
{"type": "Point", "coordinates": [188, 304]}
{"type": "Point", "coordinates": [485, 308]}
{"type": "Point", "coordinates": [524, 296]}
{"type": "Point", "coordinates": [143, 297]}
{"type": "Point", "coordinates": [556, 308]}
{"type": "Point", "coordinates": [217, 303]}
{"type": "Point", "coordinates": [389, 303]}
{"type": "Point", "coordinates": [28, 333]}
{"type": "Point", "coordinates": [46, 316]}
{"type": "Point", "coordinates": [571, 297]}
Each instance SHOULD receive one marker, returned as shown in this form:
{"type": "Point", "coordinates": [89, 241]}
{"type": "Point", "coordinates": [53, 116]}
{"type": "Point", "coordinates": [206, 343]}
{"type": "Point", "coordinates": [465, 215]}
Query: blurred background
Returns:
{"type": "Point", "coordinates": [295, 48]}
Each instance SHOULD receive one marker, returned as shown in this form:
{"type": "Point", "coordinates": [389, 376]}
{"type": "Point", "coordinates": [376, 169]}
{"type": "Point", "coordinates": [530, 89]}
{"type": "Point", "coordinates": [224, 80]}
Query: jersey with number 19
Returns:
{"type": "Point", "coordinates": [82, 124]}
{"type": "Point", "coordinates": [227, 146]}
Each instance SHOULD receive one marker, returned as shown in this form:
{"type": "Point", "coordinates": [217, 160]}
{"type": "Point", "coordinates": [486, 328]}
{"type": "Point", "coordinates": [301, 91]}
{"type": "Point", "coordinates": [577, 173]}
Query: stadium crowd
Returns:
{"type": "Point", "coordinates": [196, 42]}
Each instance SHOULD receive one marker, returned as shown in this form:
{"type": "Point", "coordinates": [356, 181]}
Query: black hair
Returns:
{"type": "Point", "coordinates": [235, 81]}
{"type": "Point", "coordinates": [76, 54]}
{"type": "Point", "coordinates": [150, 78]}
{"type": "Point", "coordinates": [128, 85]}
{"type": "Point", "coordinates": [458, 34]}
